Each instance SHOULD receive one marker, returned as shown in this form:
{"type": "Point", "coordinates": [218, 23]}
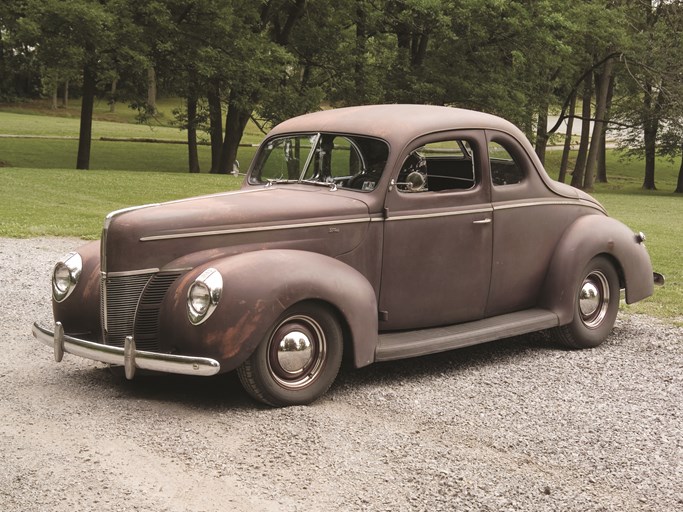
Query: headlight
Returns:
{"type": "Point", "coordinates": [203, 295]}
{"type": "Point", "coordinates": [65, 276]}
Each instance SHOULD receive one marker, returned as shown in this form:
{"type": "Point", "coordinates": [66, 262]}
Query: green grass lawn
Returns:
{"type": "Point", "coordinates": [60, 202]}
{"type": "Point", "coordinates": [106, 155]}
{"type": "Point", "coordinates": [36, 118]}
{"type": "Point", "coordinates": [137, 156]}
{"type": "Point", "coordinates": [660, 217]}
{"type": "Point", "coordinates": [623, 175]}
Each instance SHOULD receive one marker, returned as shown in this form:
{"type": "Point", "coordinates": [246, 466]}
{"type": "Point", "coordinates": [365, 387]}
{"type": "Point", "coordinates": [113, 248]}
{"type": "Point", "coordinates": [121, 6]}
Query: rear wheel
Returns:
{"type": "Point", "coordinates": [298, 359]}
{"type": "Point", "coordinates": [595, 306]}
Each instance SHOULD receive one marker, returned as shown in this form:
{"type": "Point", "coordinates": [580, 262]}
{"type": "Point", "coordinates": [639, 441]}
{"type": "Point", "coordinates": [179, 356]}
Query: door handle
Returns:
{"type": "Point", "coordinates": [482, 221]}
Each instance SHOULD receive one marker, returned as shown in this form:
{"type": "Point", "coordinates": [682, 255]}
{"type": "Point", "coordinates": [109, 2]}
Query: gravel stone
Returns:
{"type": "Point", "coordinates": [514, 425]}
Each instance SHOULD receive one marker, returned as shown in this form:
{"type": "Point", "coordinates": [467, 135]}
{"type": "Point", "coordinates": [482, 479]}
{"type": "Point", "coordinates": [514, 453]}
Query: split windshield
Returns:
{"type": "Point", "coordinates": [347, 161]}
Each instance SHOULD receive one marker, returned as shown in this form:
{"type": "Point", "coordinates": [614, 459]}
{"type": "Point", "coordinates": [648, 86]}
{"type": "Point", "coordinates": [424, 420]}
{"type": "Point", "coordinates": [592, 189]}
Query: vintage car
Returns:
{"type": "Point", "coordinates": [372, 233]}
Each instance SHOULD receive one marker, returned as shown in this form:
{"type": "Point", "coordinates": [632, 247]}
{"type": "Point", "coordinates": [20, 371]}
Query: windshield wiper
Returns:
{"type": "Point", "coordinates": [277, 181]}
{"type": "Point", "coordinates": [328, 184]}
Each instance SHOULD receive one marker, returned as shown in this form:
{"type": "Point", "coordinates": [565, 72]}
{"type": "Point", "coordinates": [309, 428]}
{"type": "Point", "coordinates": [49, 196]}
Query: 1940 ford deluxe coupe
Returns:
{"type": "Point", "coordinates": [376, 233]}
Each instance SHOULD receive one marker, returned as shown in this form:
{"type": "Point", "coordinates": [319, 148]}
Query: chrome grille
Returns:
{"type": "Point", "coordinates": [147, 318]}
{"type": "Point", "coordinates": [120, 296]}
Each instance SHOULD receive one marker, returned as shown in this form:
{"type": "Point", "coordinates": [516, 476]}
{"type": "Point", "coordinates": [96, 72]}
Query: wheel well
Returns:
{"type": "Point", "coordinates": [617, 266]}
{"type": "Point", "coordinates": [347, 336]}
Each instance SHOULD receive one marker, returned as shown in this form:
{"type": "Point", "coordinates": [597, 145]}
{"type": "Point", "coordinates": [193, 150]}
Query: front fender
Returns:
{"type": "Point", "coordinates": [257, 288]}
{"type": "Point", "coordinates": [79, 313]}
{"type": "Point", "coordinates": [588, 237]}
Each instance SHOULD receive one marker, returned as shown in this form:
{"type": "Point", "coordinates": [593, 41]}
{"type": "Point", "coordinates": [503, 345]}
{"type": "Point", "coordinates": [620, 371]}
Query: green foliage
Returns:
{"type": "Point", "coordinates": [273, 59]}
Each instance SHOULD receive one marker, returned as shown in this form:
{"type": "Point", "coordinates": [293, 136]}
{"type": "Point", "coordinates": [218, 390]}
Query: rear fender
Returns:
{"type": "Point", "coordinates": [588, 237]}
{"type": "Point", "coordinates": [257, 288]}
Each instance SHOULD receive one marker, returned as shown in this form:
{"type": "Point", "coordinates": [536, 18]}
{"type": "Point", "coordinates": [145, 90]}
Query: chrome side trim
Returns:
{"type": "Point", "coordinates": [527, 204]}
{"type": "Point", "coordinates": [440, 214]}
{"type": "Point", "coordinates": [490, 209]}
{"type": "Point", "coordinates": [128, 356]}
{"type": "Point", "coordinates": [172, 236]}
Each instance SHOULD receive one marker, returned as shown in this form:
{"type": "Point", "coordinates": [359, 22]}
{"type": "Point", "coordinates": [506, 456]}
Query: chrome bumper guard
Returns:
{"type": "Point", "coordinates": [128, 356]}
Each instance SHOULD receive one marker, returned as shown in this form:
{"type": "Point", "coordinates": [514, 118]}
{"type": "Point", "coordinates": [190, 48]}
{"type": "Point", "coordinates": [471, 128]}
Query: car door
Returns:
{"type": "Point", "coordinates": [437, 247]}
{"type": "Point", "coordinates": [530, 220]}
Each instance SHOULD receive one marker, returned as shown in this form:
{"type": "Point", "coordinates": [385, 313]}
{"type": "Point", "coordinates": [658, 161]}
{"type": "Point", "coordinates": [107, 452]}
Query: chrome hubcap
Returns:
{"type": "Point", "coordinates": [297, 351]}
{"type": "Point", "coordinates": [294, 352]}
{"type": "Point", "coordinates": [594, 299]}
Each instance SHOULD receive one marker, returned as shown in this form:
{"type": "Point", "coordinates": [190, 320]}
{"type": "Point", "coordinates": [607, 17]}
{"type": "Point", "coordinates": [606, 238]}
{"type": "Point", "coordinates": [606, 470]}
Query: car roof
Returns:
{"type": "Point", "coordinates": [395, 123]}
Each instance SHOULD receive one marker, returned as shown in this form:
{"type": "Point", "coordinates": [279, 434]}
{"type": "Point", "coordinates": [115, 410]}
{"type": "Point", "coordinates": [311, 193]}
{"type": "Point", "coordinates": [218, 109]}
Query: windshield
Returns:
{"type": "Point", "coordinates": [347, 161]}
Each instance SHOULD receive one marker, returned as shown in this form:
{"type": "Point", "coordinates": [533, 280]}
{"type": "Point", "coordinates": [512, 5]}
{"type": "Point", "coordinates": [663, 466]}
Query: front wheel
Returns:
{"type": "Point", "coordinates": [596, 304]}
{"type": "Point", "coordinates": [298, 359]}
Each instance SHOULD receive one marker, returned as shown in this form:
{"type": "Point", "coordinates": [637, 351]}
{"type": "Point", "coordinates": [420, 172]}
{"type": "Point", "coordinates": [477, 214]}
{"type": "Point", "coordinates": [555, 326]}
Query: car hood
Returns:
{"type": "Point", "coordinates": [286, 216]}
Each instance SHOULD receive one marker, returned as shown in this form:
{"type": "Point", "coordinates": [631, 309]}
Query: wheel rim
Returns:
{"type": "Point", "coordinates": [296, 352]}
{"type": "Point", "coordinates": [594, 297]}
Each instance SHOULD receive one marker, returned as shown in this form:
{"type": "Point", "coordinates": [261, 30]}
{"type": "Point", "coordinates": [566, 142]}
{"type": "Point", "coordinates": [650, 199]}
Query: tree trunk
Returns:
{"type": "Point", "coordinates": [216, 123]}
{"type": "Point", "coordinates": [567, 141]}
{"type": "Point", "coordinates": [112, 96]}
{"type": "Point", "coordinates": [650, 140]}
{"type": "Point", "coordinates": [601, 88]}
{"type": "Point", "coordinates": [602, 156]}
{"type": "Point", "coordinates": [65, 99]}
{"type": "Point", "coordinates": [88, 101]}
{"type": "Point", "coordinates": [151, 90]}
{"type": "Point", "coordinates": [53, 106]}
{"type": "Point", "coordinates": [679, 185]}
{"type": "Point", "coordinates": [193, 156]}
{"type": "Point", "coordinates": [542, 132]}
{"type": "Point", "coordinates": [235, 122]}
{"type": "Point", "coordinates": [580, 166]}
{"type": "Point", "coordinates": [652, 108]}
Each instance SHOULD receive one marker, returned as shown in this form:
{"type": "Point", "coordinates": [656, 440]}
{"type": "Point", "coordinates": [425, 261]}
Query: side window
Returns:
{"type": "Point", "coordinates": [437, 166]}
{"type": "Point", "coordinates": [345, 159]}
{"type": "Point", "coordinates": [504, 169]}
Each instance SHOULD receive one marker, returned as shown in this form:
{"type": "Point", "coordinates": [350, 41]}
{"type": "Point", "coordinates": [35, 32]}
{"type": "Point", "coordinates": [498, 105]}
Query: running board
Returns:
{"type": "Point", "coordinates": [404, 344]}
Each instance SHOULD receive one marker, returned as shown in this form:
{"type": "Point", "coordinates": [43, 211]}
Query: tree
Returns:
{"type": "Point", "coordinates": [648, 99]}
{"type": "Point", "coordinates": [85, 35]}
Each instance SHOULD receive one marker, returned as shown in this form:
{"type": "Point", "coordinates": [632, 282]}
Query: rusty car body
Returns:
{"type": "Point", "coordinates": [372, 233]}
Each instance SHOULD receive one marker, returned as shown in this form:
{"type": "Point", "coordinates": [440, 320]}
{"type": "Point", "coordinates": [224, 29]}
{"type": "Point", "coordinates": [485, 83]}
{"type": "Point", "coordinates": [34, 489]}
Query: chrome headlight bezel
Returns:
{"type": "Point", "coordinates": [203, 295]}
{"type": "Point", "coordinates": [65, 276]}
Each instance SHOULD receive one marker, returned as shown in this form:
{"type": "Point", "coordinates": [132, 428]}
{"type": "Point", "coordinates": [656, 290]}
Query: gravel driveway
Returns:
{"type": "Point", "coordinates": [511, 425]}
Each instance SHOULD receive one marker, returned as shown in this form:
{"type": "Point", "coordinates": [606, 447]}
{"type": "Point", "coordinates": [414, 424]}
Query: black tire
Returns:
{"type": "Point", "coordinates": [596, 304]}
{"type": "Point", "coordinates": [297, 376]}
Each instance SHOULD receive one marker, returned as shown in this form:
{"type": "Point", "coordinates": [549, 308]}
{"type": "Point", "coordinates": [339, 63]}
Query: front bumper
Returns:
{"type": "Point", "coordinates": [126, 356]}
